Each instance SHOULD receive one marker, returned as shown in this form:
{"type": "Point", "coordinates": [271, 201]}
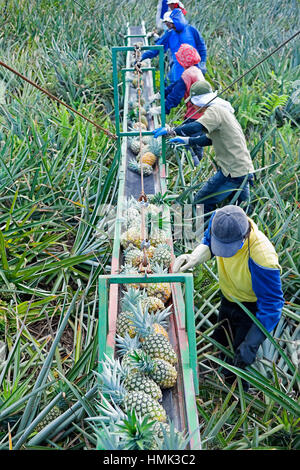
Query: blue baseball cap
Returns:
{"type": "Point", "coordinates": [229, 228]}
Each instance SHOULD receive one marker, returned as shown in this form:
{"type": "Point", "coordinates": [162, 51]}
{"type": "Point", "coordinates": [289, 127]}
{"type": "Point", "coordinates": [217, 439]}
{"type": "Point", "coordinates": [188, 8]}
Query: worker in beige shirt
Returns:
{"type": "Point", "coordinates": [219, 127]}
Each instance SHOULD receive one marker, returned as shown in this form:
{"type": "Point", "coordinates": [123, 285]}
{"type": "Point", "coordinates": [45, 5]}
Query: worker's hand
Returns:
{"type": "Point", "coordinates": [155, 110]}
{"type": "Point", "coordinates": [152, 34]}
{"type": "Point", "coordinates": [180, 140]}
{"type": "Point", "coordinates": [154, 97]}
{"type": "Point", "coordinates": [198, 256]}
{"type": "Point", "coordinates": [202, 66]}
{"type": "Point", "coordinates": [167, 130]}
{"type": "Point", "coordinates": [246, 352]}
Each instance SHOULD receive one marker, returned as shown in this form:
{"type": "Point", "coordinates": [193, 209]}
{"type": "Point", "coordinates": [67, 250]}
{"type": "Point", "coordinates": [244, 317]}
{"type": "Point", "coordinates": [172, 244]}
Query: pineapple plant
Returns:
{"type": "Point", "coordinates": [139, 401]}
{"type": "Point", "coordinates": [162, 255]}
{"type": "Point", "coordinates": [160, 370]}
{"type": "Point", "coordinates": [162, 290]}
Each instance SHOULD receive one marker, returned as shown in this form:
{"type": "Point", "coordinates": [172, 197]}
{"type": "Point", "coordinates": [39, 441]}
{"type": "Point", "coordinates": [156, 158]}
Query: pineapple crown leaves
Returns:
{"type": "Point", "coordinates": [158, 268]}
{"type": "Point", "coordinates": [143, 321]}
{"type": "Point", "coordinates": [126, 343]}
{"type": "Point", "coordinates": [111, 379]}
{"type": "Point", "coordinates": [131, 299]}
{"type": "Point", "coordinates": [137, 431]}
{"type": "Point", "coordinates": [142, 361]}
{"type": "Point", "coordinates": [172, 439]}
{"type": "Point", "coordinates": [108, 437]}
{"type": "Point", "coordinates": [108, 411]}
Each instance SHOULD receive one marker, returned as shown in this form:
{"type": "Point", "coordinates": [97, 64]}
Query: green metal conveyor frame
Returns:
{"type": "Point", "coordinates": [109, 285]}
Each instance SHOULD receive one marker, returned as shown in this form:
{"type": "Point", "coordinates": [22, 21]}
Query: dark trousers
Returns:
{"type": "Point", "coordinates": [234, 328]}
{"type": "Point", "coordinates": [236, 323]}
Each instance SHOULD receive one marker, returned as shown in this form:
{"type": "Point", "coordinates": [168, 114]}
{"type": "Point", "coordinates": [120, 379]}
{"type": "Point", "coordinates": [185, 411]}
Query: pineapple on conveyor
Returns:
{"type": "Point", "coordinates": [124, 322]}
{"type": "Point", "coordinates": [158, 236]}
{"type": "Point", "coordinates": [152, 303]}
{"type": "Point", "coordinates": [132, 236]}
{"type": "Point", "coordinates": [135, 166]}
{"type": "Point", "coordinates": [162, 255]}
{"type": "Point", "coordinates": [154, 342]}
{"type": "Point", "coordinates": [132, 270]}
{"type": "Point", "coordinates": [160, 370]}
{"type": "Point", "coordinates": [126, 345]}
{"type": "Point", "coordinates": [141, 402]}
{"type": "Point", "coordinates": [133, 379]}
{"type": "Point", "coordinates": [133, 255]}
{"type": "Point", "coordinates": [162, 290]}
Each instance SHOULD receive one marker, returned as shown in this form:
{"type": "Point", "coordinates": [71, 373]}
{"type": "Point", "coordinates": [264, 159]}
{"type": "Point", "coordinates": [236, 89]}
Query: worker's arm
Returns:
{"type": "Point", "coordinates": [162, 41]}
{"type": "Point", "coordinates": [266, 284]}
{"type": "Point", "coordinates": [174, 94]}
{"type": "Point", "coordinates": [196, 133]}
{"type": "Point", "coordinates": [201, 48]}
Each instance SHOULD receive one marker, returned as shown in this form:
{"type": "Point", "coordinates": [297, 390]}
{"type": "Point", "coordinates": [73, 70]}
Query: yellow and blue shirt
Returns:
{"type": "Point", "coordinates": [252, 275]}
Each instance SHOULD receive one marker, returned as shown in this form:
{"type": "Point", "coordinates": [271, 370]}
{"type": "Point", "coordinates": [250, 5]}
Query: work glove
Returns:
{"type": "Point", "coordinates": [152, 34]}
{"type": "Point", "coordinates": [155, 110]}
{"type": "Point", "coordinates": [167, 130]}
{"type": "Point", "coordinates": [199, 255]}
{"type": "Point", "coordinates": [246, 352]}
{"type": "Point", "coordinates": [180, 140]}
{"type": "Point", "coordinates": [202, 67]}
{"type": "Point", "coordinates": [154, 97]}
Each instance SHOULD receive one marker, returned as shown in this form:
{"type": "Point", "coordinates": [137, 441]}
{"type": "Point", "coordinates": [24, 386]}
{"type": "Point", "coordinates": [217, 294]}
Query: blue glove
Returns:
{"type": "Point", "coordinates": [202, 66]}
{"type": "Point", "coordinates": [246, 352]}
{"type": "Point", "coordinates": [159, 132]}
{"type": "Point", "coordinates": [180, 140]}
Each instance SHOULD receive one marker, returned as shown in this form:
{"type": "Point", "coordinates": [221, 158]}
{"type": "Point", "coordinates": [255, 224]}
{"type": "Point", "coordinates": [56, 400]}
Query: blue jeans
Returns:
{"type": "Point", "coordinates": [225, 185]}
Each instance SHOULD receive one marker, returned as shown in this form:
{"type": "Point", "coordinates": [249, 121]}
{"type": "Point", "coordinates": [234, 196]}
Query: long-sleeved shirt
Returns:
{"type": "Point", "coordinates": [172, 39]}
{"type": "Point", "coordinates": [252, 275]}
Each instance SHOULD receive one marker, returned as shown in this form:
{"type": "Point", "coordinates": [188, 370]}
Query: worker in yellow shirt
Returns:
{"type": "Point", "coordinates": [249, 272]}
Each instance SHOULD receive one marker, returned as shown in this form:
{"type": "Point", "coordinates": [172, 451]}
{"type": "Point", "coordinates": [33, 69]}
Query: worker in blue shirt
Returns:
{"type": "Point", "coordinates": [179, 32]}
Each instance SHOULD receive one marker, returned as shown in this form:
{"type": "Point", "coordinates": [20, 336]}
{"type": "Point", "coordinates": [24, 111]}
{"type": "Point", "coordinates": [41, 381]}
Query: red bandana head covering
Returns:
{"type": "Point", "coordinates": [187, 55]}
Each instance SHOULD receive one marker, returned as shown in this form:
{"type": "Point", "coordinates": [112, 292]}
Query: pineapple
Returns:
{"type": "Point", "coordinates": [162, 255]}
{"type": "Point", "coordinates": [147, 158]}
{"type": "Point", "coordinates": [153, 303]}
{"type": "Point", "coordinates": [135, 146]}
{"type": "Point", "coordinates": [55, 412]}
{"type": "Point", "coordinates": [147, 323]}
{"type": "Point", "coordinates": [162, 290]}
{"type": "Point", "coordinates": [161, 371]}
{"type": "Point", "coordinates": [154, 341]}
{"type": "Point", "coordinates": [132, 236]}
{"type": "Point", "coordinates": [124, 322]}
{"type": "Point", "coordinates": [157, 237]}
{"type": "Point", "coordinates": [133, 256]}
{"type": "Point", "coordinates": [135, 166]}
{"type": "Point", "coordinates": [139, 401]}
{"type": "Point", "coordinates": [132, 379]}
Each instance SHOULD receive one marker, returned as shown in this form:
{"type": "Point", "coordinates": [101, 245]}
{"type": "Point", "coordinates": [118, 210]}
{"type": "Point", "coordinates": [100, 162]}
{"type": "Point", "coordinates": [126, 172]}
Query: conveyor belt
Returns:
{"type": "Point", "coordinates": [179, 402]}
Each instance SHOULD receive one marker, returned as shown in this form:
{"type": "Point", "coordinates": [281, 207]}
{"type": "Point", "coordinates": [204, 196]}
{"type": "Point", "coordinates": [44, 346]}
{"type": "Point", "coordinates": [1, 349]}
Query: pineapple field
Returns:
{"type": "Point", "coordinates": [69, 379]}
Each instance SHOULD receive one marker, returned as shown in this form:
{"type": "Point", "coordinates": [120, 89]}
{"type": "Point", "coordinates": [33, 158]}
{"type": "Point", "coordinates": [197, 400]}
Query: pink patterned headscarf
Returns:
{"type": "Point", "coordinates": [187, 55]}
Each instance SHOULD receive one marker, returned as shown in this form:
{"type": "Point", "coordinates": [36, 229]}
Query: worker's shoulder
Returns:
{"type": "Point", "coordinates": [262, 252]}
